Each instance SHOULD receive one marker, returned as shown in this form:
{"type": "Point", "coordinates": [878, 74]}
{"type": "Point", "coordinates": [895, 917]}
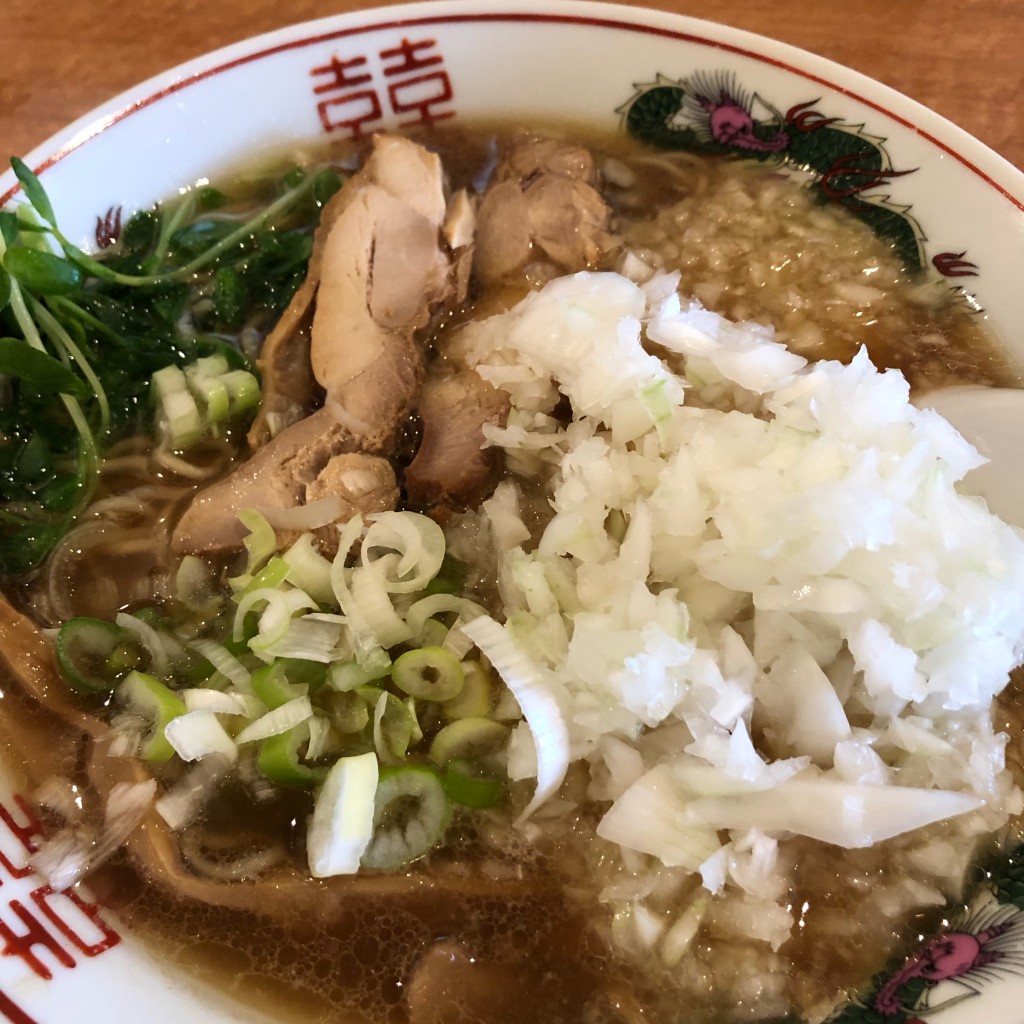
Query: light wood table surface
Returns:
{"type": "Point", "coordinates": [962, 58]}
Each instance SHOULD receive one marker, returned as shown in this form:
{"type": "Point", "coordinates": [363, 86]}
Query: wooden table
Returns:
{"type": "Point", "coordinates": [962, 58]}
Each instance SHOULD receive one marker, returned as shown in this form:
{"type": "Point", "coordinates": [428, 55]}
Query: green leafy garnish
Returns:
{"type": "Point", "coordinates": [82, 335]}
{"type": "Point", "coordinates": [40, 371]}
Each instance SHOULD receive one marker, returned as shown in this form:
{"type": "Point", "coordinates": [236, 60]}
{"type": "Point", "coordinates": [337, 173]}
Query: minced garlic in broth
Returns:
{"type": "Point", "coordinates": [749, 243]}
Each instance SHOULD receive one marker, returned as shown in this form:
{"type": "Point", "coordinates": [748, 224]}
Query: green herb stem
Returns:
{"type": "Point", "coordinates": [88, 453]}
{"type": "Point", "coordinates": [21, 313]}
{"type": "Point", "coordinates": [276, 208]}
{"type": "Point", "coordinates": [63, 341]}
{"type": "Point", "coordinates": [64, 305]}
{"type": "Point", "coordinates": [169, 226]}
{"type": "Point", "coordinates": [182, 274]}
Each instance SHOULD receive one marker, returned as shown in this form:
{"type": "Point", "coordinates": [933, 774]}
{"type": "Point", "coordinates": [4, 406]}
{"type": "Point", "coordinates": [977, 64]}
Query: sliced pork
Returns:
{"type": "Point", "coordinates": [380, 269]}
{"type": "Point", "coordinates": [544, 204]}
{"type": "Point", "coordinates": [290, 390]}
{"type": "Point", "coordinates": [452, 468]}
{"type": "Point", "coordinates": [283, 474]}
{"type": "Point", "coordinates": [385, 271]}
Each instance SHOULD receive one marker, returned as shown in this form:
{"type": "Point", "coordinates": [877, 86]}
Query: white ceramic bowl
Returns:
{"type": "Point", "coordinates": [540, 61]}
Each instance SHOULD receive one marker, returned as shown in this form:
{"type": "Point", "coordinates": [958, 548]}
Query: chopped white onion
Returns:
{"type": "Point", "coordinates": [845, 814]}
{"type": "Point", "coordinates": [224, 662]}
{"type": "Point", "coordinates": [197, 734]}
{"type": "Point", "coordinates": [180, 805]}
{"type": "Point", "coordinates": [341, 825]}
{"type": "Point", "coordinates": [312, 516]}
{"type": "Point", "coordinates": [290, 714]}
{"type": "Point", "coordinates": [536, 700]}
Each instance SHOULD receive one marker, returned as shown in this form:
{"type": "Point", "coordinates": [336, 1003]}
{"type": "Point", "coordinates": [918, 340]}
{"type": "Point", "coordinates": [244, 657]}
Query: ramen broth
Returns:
{"type": "Point", "coordinates": [534, 942]}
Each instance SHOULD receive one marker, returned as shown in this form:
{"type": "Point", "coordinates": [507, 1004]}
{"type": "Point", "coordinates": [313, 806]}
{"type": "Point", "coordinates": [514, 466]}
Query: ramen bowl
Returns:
{"type": "Point", "coordinates": [674, 83]}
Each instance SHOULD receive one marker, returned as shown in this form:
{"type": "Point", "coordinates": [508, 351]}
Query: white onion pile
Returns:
{"type": "Point", "coordinates": [761, 605]}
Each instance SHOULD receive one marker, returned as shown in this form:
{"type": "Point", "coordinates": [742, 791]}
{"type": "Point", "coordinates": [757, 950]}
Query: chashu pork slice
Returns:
{"type": "Point", "coordinates": [381, 268]}
{"type": "Point", "coordinates": [390, 264]}
{"type": "Point", "coordinates": [385, 270]}
{"type": "Point", "coordinates": [282, 475]}
{"type": "Point", "coordinates": [452, 468]}
{"type": "Point", "coordinates": [544, 203]}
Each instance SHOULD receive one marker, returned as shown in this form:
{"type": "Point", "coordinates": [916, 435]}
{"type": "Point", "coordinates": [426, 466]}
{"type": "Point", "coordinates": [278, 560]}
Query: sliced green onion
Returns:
{"type": "Point", "coordinates": [200, 698]}
{"type": "Point", "coordinates": [196, 587]}
{"type": "Point", "coordinates": [416, 538]}
{"type": "Point", "coordinates": [281, 719]}
{"type": "Point", "coordinates": [348, 712]}
{"type": "Point", "coordinates": [208, 366]}
{"type": "Point", "coordinates": [392, 727]}
{"type": "Point", "coordinates": [271, 576]}
{"type": "Point", "coordinates": [180, 804]}
{"type": "Point", "coordinates": [474, 739]}
{"type": "Point", "coordinates": [276, 618]}
{"type": "Point", "coordinates": [278, 758]}
{"type": "Point", "coordinates": [94, 654]}
{"type": "Point", "coordinates": [243, 390]}
{"type": "Point", "coordinates": [429, 673]}
{"type": "Point", "coordinates": [211, 397]}
{"type": "Point", "coordinates": [178, 420]}
{"type": "Point", "coordinates": [159, 645]}
{"type": "Point", "coordinates": [344, 676]}
{"type": "Point", "coordinates": [272, 686]}
{"type": "Point", "coordinates": [472, 786]}
{"type": "Point", "coordinates": [303, 671]}
{"type": "Point", "coordinates": [224, 662]}
{"type": "Point", "coordinates": [456, 641]}
{"type": "Point", "coordinates": [536, 697]}
{"type": "Point", "coordinates": [367, 650]}
{"type": "Point", "coordinates": [438, 604]}
{"type": "Point", "coordinates": [306, 639]}
{"type": "Point", "coordinates": [433, 633]}
{"type": "Point", "coordinates": [417, 731]}
{"type": "Point", "coordinates": [309, 570]}
{"type": "Point", "coordinates": [410, 815]}
{"type": "Point", "coordinates": [450, 578]}
{"type": "Point", "coordinates": [475, 698]}
{"type": "Point", "coordinates": [319, 737]}
{"type": "Point", "coordinates": [371, 595]}
{"type": "Point", "coordinates": [261, 540]}
{"type": "Point", "coordinates": [342, 823]}
{"type": "Point", "coordinates": [159, 705]}
{"type": "Point", "coordinates": [197, 734]}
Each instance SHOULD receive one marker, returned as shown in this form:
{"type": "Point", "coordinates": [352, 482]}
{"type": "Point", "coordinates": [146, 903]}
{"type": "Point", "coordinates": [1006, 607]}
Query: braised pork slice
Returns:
{"type": "Point", "coordinates": [365, 484]}
{"type": "Point", "coordinates": [544, 203]}
{"type": "Point", "coordinates": [380, 269]}
{"type": "Point", "coordinates": [531, 155]}
{"type": "Point", "coordinates": [284, 474]}
{"type": "Point", "coordinates": [451, 467]}
{"type": "Point", "coordinates": [382, 272]}
{"type": "Point", "coordinates": [290, 390]}
{"type": "Point", "coordinates": [385, 270]}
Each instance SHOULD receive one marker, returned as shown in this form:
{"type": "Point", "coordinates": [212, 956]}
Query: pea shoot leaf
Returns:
{"type": "Point", "coordinates": [34, 191]}
{"type": "Point", "coordinates": [42, 372]}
